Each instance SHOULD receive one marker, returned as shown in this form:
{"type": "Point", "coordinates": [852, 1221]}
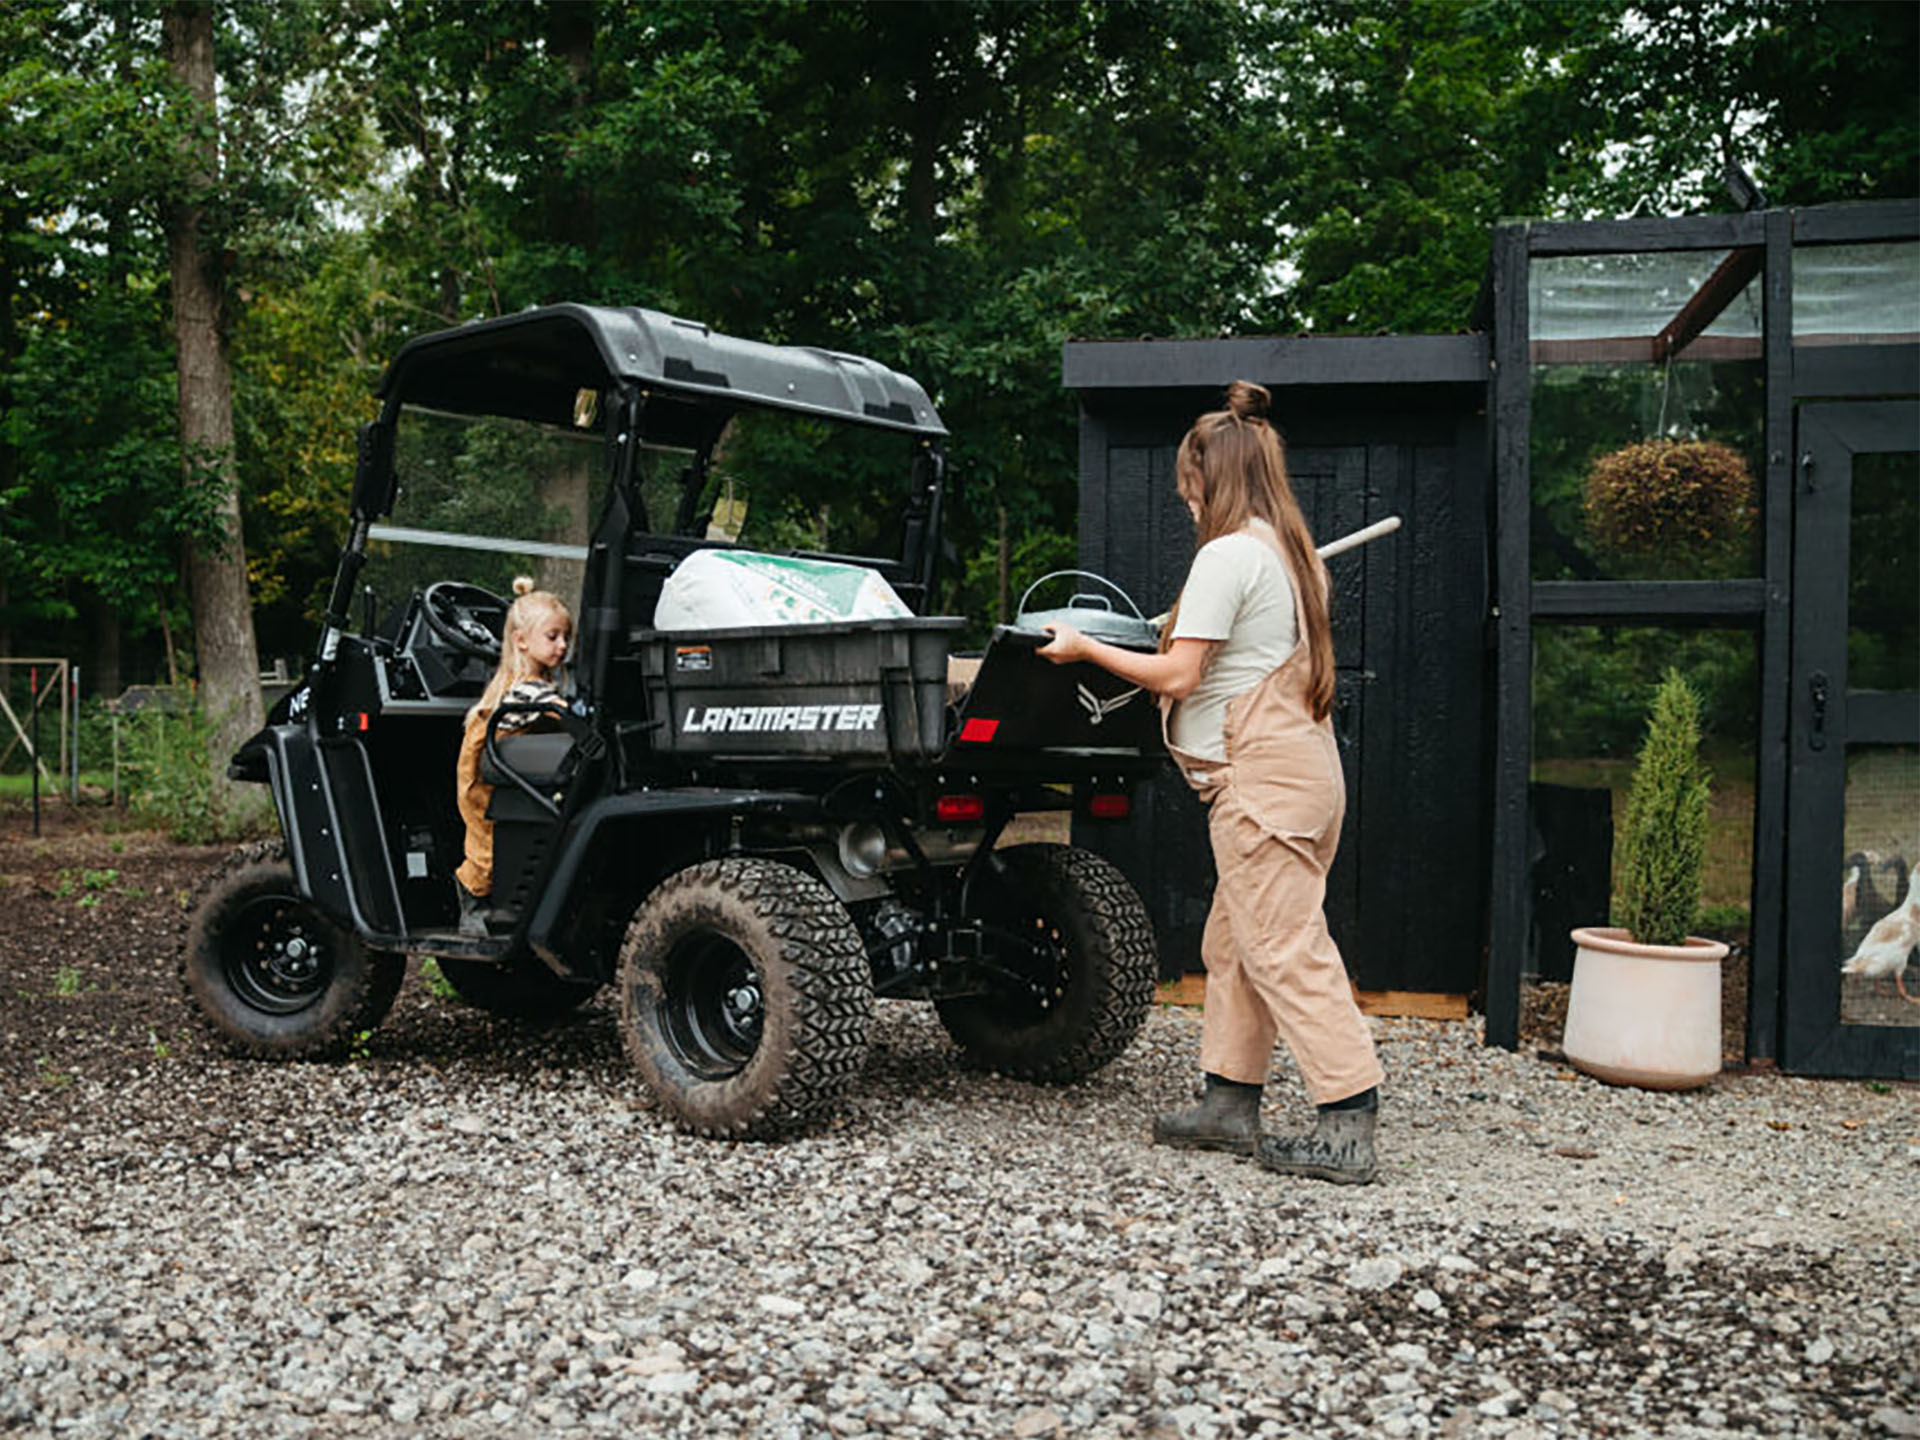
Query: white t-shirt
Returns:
{"type": "Point", "coordinates": [1237, 593]}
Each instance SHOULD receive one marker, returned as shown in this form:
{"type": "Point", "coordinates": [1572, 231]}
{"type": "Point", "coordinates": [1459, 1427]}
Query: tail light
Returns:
{"type": "Point", "coordinates": [1110, 806]}
{"type": "Point", "coordinates": [955, 809]}
{"type": "Point", "coordinates": [978, 731]}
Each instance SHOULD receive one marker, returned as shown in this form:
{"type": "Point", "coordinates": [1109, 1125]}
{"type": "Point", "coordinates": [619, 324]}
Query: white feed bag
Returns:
{"type": "Point", "coordinates": [721, 589]}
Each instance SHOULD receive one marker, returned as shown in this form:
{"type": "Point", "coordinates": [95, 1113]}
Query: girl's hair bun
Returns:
{"type": "Point", "coordinates": [1248, 401]}
{"type": "Point", "coordinates": [522, 584]}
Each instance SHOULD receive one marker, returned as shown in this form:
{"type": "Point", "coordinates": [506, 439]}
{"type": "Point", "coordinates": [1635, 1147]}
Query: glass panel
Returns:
{"type": "Point", "coordinates": [1647, 472]}
{"type": "Point", "coordinates": [791, 482]}
{"type": "Point", "coordinates": [1879, 913]}
{"type": "Point", "coordinates": [1591, 690]}
{"type": "Point", "coordinates": [1883, 580]}
{"type": "Point", "coordinates": [1850, 294]}
{"type": "Point", "coordinates": [519, 495]}
{"type": "Point", "coordinates": [1599, 298]}
{"type": "Point", "coordinates": [1649, 415]}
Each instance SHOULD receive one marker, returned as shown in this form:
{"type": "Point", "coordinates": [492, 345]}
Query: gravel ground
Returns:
{"type": "Point", "coordinates": [475, 1229]}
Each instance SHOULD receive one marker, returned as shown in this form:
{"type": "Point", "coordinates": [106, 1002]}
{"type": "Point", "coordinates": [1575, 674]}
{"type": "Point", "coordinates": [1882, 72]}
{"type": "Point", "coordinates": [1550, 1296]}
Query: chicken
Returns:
{"type": "Point", "coordinates": [1850, 890]}
{"type": "Point", "coordinates": [1882, 955]}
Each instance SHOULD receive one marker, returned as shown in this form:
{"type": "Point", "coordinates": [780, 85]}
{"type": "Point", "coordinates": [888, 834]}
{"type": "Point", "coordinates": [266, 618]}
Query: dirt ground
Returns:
{"type": "Point", "coordinates": [95, 912]}
{"type": "Point", "coordinates": [94, 916]}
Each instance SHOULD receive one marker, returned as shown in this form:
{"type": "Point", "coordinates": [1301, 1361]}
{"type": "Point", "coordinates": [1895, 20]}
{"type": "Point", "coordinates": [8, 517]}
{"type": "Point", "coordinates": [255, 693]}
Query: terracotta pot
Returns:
{"type": "Point", "coordinates": [1646, 1015]}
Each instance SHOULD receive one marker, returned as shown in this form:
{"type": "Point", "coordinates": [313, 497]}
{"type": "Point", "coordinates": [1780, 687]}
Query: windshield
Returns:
{"type": "Point", "coordinates": [484, 499]}
{"type": "Point", "coordinates": [778, 481]}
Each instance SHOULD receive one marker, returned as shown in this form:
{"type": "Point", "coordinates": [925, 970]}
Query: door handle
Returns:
{"type": "Point", "coordinates": [1819, 690]}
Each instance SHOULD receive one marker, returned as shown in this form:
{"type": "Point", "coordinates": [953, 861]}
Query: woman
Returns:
{"type": "Point", "coordinates": [1245, 677]}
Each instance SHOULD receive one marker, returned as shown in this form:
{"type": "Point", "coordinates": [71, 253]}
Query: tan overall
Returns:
{"type": "Point", "coordinates": [473, 795]}
{"type": "Point", "coordinates": [1273, 815]}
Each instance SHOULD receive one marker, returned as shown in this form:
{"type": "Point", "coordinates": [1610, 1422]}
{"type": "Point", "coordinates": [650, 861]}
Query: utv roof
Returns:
{"type": "Point", "coordinates": [532, 366]}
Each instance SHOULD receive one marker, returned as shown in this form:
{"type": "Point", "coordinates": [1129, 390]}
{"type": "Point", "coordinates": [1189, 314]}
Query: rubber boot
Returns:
{"type": "Point", "coordinates": [1227, 1118]}
{"type": "Point", "coordinates": [1340, 1148]}
{"type": "Point", "coordinates": [473, 911]}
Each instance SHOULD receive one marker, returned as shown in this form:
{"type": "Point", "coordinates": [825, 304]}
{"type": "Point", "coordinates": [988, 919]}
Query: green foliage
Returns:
{"type": "Point", "coordinates": [436, 981]}
{"type": "Point", "coordinates": [167, 764]}
{"type": "Point", "coordinates": [90, 884]}
{"type": "Point", "coordinates": [66, 981]}
{"type": "Point", "coordinates": [1589, 684]}
{"type": "Point", "coordinates": [1663, 841]}
{"type": "Point", "coordinates": [1666, 508]}
{"type": "Point", "coordinates": [954, 189]}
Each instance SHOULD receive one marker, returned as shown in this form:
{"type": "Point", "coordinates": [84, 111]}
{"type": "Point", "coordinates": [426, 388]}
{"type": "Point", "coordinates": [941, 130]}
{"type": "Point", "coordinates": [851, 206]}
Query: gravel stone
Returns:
{"type": "Point", "coordinates": [478, 1229]}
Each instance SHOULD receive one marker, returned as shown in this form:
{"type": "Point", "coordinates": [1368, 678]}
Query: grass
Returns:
{"type": "Point", "coordinates": [18, 785]}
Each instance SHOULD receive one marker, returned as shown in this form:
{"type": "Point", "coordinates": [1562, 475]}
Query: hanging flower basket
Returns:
{"type": "Point", "coordinates": [1671, 508]}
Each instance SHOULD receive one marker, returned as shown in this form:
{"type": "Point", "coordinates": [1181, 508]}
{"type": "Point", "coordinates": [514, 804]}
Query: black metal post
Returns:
{"type": "Point", "coordinates": [1767, 912]}
{"type": "Point", "coordinates": [1510, 900]}
{"type": "Point", "coordinates": [33, 740]}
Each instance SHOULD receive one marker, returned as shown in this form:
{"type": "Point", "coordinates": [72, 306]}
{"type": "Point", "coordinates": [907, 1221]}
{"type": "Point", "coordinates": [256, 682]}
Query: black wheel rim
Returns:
{"type": "Point", "coordinates": [278, 956]}
{"type": "Point", "coordinates": [712, 1005]}
{"type": "Point", "coordinates": [1040, 970]}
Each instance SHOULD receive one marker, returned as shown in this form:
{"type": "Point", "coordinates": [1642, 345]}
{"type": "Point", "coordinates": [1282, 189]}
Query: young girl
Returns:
{"type": "Point", "coordinates": [1245, 673]}
{"type": "Point", "coordinates": [533, 645]}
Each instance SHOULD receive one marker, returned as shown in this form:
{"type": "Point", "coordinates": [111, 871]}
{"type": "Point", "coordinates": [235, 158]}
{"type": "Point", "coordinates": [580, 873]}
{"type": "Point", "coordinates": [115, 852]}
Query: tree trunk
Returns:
{"type": "Point", "coordinates": [224, 651]}
{"type": "Point", "coordinates": [13, 218]}
{"type": "Point", "coordinates": [570, 214]}
{"type": "Point", "coordinates": [105, 679]}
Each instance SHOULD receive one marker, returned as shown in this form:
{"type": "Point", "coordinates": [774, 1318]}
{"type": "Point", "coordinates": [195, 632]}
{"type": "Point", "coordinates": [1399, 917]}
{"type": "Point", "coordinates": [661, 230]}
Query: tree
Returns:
{"type": "Point", "coordinates": [224, 650]}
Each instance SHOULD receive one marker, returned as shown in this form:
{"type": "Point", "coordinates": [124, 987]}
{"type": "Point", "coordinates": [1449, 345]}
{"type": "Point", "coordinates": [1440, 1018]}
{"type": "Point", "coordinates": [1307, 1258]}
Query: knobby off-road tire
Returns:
{"type": "Point", "coordinates": [745, 997]}
{"type": "Point", "coordinates": [269, 974]}
{"type": "Point", "coordinates": [1085, 983]}
{"type": "Point", "coordinates": [521, 989]}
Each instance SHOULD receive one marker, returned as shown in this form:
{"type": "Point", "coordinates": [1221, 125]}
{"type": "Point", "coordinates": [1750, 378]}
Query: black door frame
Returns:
{"type": "Point", "coordinates": [1763, 603]}
{"type": "Point", "coordinates": [1825, 717]}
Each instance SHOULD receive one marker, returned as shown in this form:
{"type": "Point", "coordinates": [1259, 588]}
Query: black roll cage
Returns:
{"type": "Point", "coordinates": [655, 378]}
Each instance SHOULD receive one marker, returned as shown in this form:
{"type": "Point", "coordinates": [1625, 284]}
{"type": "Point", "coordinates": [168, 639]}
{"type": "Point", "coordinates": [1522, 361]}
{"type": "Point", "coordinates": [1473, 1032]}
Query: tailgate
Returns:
{"type": "Point", "coordinates": [1027, 713]}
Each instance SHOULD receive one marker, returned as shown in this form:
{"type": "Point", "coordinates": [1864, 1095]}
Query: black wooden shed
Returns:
{"type": "Point", "coordinates": [1375, 426]}
{"type": "Point", "coordinates": [1809, 319]}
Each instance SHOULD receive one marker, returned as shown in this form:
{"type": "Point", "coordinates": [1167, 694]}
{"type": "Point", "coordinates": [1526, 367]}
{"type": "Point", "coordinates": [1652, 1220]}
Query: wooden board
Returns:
{"type": "Point", "coordinates": [1420, 1004]}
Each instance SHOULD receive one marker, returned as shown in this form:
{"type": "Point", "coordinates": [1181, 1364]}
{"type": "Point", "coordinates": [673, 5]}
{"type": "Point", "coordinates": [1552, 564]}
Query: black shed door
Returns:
{"type": "Point", "coordinates": [1406, 898]}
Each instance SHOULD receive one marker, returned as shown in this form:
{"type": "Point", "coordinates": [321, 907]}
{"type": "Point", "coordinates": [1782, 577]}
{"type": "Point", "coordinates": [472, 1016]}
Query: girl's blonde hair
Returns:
{"type": "Point", "coordinates": [1232, 465]}
{"type": "Point", "coordinates": [529, 608]}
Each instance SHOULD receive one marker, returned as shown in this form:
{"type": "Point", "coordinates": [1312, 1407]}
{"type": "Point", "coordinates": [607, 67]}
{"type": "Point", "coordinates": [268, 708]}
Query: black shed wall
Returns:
{"type": "Point", "coordinates": [1407, 896]}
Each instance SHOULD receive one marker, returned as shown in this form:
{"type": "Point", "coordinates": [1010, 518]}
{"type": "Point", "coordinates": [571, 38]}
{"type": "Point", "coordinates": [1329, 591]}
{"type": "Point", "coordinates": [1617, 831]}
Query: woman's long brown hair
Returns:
{"type": "Point", "coordinates": [1233, 465]}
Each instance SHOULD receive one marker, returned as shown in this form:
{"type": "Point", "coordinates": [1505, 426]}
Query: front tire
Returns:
{"type": "Point", "coordinates": [1073, 977]}
{"type": "Point", "coordinates": [745, 997]}
{"type": "Point", "coordinates": [272, 976]}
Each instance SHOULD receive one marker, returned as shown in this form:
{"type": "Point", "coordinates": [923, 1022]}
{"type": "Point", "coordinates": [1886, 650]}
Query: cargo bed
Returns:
{"type": "Point", "coordinates": [877, 691]}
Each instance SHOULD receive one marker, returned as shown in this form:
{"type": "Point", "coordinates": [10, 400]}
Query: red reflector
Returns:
{"type": "Point", "coordinates": [363, 719]}
{"type": "Point", "coordinates": [977, 731]}
{"type": "Point", "coordinates": [1110, 807]}
{"type": "Point", "coordinates": [950, 808]}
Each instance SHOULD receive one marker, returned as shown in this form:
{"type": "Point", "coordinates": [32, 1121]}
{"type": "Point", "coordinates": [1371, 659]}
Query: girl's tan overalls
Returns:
{"type": "Point", "coordinates": [1274, 808]}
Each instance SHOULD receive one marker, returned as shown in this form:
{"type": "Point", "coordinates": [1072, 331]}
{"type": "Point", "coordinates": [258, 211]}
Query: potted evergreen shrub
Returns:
{"type": "Point", "coordinates": [1645, 1003]}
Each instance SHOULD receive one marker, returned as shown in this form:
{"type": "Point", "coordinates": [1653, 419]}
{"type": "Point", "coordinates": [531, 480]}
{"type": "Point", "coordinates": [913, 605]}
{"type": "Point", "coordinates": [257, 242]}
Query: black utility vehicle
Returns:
{"type": "Point", "coordinates": [752, 832]}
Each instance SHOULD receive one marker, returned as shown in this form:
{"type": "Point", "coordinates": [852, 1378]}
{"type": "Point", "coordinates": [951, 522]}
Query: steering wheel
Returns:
{"type": "Point", "coordinates": [465, 618]}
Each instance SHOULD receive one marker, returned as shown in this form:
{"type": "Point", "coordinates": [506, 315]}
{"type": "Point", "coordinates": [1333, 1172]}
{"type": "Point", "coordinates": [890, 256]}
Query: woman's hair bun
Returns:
{"type": "Point", "coordinates": [1248, 401]}
{"type": "Point", "coordinates": [522, 584]}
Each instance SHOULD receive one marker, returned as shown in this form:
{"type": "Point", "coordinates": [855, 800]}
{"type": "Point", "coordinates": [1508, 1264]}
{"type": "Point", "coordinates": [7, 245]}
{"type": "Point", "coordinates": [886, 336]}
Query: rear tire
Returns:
{"type": "Point", "coordinates": [1073, 998]}
{"type": "Point", "coordinates": [272, 976]}
{"type": "Point", "coordinates": [521, 989]}
{"type": "Point", "coordinates": [745, 997]}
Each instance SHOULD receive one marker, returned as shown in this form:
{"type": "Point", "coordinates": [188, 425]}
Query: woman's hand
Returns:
{"type": "Point", "coordinates": [1067, 645]}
